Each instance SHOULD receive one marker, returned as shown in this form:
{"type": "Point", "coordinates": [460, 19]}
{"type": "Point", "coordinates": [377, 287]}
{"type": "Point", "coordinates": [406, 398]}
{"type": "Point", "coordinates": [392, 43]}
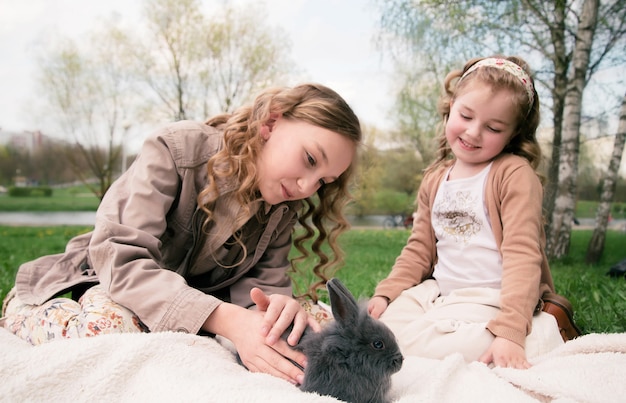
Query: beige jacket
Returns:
{"type": "Point", "coordinates": [513, 194]}
{"type": "Point", "coordinates": [147, 248]}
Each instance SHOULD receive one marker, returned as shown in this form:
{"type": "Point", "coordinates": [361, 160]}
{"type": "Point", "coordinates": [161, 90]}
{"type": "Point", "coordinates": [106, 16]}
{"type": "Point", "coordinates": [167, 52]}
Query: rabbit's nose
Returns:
{"type": "Point", "coordinates": [397, 361]}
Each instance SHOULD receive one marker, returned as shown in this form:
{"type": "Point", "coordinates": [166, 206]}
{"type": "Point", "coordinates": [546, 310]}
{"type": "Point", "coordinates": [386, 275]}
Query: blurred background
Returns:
{"type": "Point", "coordinates": [83, 83]}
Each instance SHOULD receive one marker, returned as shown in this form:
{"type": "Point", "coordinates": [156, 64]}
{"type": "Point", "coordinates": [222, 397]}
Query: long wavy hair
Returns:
{"type": "Point", "coordinates": [311, 103]}
{"type": "Point", "coordinates": [524, 141]}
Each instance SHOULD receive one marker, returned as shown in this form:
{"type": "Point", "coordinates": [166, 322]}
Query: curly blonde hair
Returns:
{"type": "Point", "coordinates": [311, 103]}
{"type": "Point", "coordinates": [524, 141]}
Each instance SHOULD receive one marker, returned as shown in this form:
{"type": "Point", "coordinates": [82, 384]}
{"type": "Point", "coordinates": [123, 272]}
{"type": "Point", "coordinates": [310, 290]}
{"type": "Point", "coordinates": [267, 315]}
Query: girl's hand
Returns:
{"type": "Point", "coordinates": [505, 353]}
{"type": "Point", "coordinates": [243, 328]}
{"type": "Point", "coordinates": [376, 306]}
{"type": "Point", "coordinates": [280, 312]}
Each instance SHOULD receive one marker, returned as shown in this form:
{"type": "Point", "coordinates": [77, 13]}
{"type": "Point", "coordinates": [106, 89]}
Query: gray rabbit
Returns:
{"type": "Point", "coordinates": [352, 358]}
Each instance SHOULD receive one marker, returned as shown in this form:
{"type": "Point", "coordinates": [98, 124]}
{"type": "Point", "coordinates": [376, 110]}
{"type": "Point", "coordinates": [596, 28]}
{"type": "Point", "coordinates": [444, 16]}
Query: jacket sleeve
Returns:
{"type": "Point", "coordinates": [416, 261]}
{"type": "Point", "coordinates": [520, 221]}
{"type": "Point", "coordinates": [125, 246]}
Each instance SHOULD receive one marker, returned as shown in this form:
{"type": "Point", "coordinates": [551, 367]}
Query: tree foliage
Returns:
{"type": "Point", "coordinates": [567, 42]}
{"type": "Point", "coordinates": [42, 166]}
{"type": "Point", "coordinates": [179, 64]}
{"type": "Point", "coordinates": [246, 55]}
{"type": "Point", "coordinates": [195, 65]}
{"type": "Point", "coordinates": [85, 100]}
{"type": "Point", "coordinates": [170, 59]}
{"type": "Point", "coordinates": [386, 179]}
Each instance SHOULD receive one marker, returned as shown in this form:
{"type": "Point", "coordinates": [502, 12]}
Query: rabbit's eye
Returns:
{"type": "Point", "coordinates": [378, 344]}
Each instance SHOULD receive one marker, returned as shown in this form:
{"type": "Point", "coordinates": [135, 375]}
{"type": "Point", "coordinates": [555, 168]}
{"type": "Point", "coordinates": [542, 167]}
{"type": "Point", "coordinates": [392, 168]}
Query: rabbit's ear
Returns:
{"type": "Point", "coordinates": [344, 306]}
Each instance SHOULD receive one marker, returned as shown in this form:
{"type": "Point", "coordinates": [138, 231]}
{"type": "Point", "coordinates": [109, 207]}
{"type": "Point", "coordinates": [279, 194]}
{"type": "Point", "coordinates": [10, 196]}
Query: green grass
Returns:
{"type": "Point", "coordinates": [599, 301]}
{"type": "Point", "coordinates": [22, 244]}
{"type": "Point", "coordinates": [587, 209]}
{"type": "Point", "coordinates": [68, 199]}
{"type": "Point", "coordinates": [79, 198]}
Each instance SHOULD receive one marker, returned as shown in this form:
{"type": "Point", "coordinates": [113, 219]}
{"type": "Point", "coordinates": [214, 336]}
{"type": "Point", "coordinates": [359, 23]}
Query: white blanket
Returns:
{"type": "Point", "coordinates": [186, 368]}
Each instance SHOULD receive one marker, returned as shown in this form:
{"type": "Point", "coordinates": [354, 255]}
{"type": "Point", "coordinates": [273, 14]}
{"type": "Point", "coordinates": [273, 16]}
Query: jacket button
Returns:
{"type": "Point", "coordinates": [182, 330]}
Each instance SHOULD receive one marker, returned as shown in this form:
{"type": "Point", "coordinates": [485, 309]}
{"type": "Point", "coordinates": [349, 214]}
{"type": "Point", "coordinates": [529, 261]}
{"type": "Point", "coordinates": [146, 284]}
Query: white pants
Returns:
{"type": "Point", "coordinates": [433, 326]}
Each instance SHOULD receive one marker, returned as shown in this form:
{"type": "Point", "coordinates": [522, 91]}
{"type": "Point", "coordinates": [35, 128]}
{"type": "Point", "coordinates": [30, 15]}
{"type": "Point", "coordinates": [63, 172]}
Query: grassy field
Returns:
{"type": "Point", "coordinates": [81, 199]}
{"type": "Point", "coordinates": [67, 199]}
{"type": "Point", "coordinates": [599, 301]}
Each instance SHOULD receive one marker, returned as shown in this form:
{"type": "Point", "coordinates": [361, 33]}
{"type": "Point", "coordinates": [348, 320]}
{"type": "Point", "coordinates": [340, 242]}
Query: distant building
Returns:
{"type": "Point", "coordinates": [30, 141]}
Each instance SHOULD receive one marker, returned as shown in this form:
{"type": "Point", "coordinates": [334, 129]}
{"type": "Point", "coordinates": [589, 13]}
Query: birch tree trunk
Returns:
{"type": "Point", "coordinates": [596, 244]}
{"type": "Point", "coordinates": [565, 201]}
{"type": "Point", "coordinates": [561, 62]}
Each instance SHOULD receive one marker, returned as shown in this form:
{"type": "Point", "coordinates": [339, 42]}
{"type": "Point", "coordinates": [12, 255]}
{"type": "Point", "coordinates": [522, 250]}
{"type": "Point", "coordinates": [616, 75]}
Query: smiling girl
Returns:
{"type": "Point", "coordinates": [473, 273]}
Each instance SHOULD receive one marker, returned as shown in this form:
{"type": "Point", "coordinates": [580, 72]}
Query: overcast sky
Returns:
{"type": "Point", "coordinates": [331, 42]}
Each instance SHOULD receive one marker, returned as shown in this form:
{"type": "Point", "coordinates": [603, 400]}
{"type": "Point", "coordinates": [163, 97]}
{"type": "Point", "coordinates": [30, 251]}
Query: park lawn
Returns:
{"type": "Point", "coordinates": [80, 198]}
{"type": "Point", "coordinates": [599, 301]}
{"type": "Point", "coordinates": [65, 199]}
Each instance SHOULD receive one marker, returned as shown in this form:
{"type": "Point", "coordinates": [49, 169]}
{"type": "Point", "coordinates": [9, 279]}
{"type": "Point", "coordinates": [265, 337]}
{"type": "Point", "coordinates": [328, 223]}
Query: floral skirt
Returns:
{"type": "Point", "coordinates": [94, 313]}
{"type": "Point", "coordinates": [60, 318]}
{"type": "Point", "coordinates": [320, 312]}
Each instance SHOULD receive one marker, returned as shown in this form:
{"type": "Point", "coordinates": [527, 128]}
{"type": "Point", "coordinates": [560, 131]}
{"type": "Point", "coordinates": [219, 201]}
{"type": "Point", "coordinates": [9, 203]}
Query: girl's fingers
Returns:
{"type": "Point", "coordinates": [280, 315]}
{"type": "Point", "coordinates": [271, 307]}
{"type": "Point", "coordinates": [274, 361]}
{"type": "Point", "coordinates": [260, 299]}
{"type": "Point", "coordinates": [280, 312]}
{"type": "Point", "coordinates": [301, 321]}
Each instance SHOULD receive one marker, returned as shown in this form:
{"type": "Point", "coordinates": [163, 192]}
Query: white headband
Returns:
{"type": "Point", "coordinates": [508, 66]}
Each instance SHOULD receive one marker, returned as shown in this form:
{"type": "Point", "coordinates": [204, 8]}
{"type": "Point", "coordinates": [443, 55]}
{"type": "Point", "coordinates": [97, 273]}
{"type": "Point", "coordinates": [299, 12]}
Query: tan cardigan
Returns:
{"type": "Point", "coordinates": [147, 248]}
{"type": "Point", "coordinates": [513, 195]}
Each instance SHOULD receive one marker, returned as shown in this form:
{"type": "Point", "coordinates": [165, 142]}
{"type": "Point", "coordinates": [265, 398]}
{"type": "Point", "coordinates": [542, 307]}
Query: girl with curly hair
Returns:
{"type": "Point", "coordinates": [195, 236]}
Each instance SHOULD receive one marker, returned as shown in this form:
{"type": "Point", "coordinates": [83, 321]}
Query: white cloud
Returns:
{"type": "Point", "coordinates": [333, 43]}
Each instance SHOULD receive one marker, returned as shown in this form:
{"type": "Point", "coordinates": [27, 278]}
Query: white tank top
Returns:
{"type": "Point", "coordinates": [466, 248]}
